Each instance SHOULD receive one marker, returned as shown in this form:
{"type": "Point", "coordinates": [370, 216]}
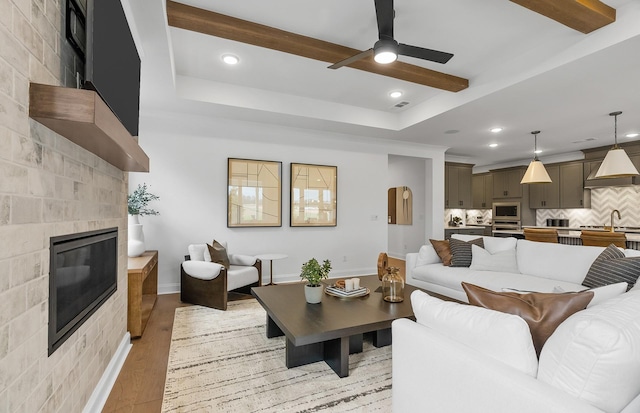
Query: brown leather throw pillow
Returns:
{"type": "Point", "coordinates": [543, 312]}
{"type": "Point", "coordinates": [218, 254]}
{"type": "Point", "coordinates": [443, 250]}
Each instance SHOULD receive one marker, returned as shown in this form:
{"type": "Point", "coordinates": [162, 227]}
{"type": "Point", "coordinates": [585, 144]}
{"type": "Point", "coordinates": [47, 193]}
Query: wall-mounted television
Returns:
{"type": "Point", "coordinates": [99, 33]}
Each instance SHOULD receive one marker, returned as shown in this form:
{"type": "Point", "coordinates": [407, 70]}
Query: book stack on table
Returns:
{"type": "Point", "coordinates": [344, 293]}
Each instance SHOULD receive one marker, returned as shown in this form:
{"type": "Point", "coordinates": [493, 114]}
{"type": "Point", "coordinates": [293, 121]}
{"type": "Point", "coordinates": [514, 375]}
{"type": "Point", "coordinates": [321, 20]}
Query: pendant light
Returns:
{"type": "Point", "coordinates": [536, 173]}
{"type": "Point", "coordinates": [617, 163]}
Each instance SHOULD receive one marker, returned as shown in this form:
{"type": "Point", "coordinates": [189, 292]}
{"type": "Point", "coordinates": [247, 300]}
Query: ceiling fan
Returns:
{"type": "Point", "coordinates": [387, 49]}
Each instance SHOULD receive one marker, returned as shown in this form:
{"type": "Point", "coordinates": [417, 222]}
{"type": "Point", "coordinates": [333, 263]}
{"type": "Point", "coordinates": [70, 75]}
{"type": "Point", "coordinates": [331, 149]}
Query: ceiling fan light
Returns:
{"type": "Point", "coordinates": [385, 51]}
{"type": "Point", "coordinates": [536, 174]}
{"type": "Point", "coordinates": [616, 165]}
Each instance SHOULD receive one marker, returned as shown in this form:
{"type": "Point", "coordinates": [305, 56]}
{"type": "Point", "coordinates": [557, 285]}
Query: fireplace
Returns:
{"type": "Point", "coordinates": [83, 275]}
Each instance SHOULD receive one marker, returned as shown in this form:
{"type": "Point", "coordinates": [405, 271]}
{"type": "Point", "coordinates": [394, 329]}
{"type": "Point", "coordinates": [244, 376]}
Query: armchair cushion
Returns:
{"type": "Point", "coordinates": [197, 252]}
{"type": "Point", "coordinates": [201, 269]}
{"type": "Point", "coordinates": [504, 337]}
{"type": "Point", "coordinates": [240, 259]}
{"type": "Point", "coordinates": [218, 253]}
{"type": "Point", "coordinates": [240, 275]}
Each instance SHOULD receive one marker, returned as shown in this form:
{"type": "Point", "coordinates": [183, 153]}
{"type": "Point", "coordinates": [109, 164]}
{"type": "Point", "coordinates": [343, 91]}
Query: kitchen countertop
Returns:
{"type": "Point", "coordinates": [633, 235]}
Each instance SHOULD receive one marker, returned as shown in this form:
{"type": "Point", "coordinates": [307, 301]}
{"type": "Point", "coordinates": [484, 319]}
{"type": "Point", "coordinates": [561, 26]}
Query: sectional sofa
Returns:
{"type": "Point", "coordinates": [511, 264]}
{"type": "Point", "coordinates": [461, 358]}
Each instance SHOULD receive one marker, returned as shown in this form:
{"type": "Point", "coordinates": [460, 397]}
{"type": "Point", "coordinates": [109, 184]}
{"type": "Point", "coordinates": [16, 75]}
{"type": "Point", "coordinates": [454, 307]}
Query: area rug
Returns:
{"type": "Point", "coordinates": [222, 361]}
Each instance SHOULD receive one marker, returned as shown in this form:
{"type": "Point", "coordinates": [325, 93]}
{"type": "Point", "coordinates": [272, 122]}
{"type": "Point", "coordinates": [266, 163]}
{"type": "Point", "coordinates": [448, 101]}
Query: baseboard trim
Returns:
{"type": "Point", "coordinates": [171, 288]}
{"type": "Point", "coordinates": [100, 394]}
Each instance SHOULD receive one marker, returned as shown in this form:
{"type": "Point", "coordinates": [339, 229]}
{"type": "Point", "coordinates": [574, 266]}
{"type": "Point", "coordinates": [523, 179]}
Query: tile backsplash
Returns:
{"type": "Point", "coordinates": [469, 216]}
{"type": "Point", "coordinates": [603, 201]}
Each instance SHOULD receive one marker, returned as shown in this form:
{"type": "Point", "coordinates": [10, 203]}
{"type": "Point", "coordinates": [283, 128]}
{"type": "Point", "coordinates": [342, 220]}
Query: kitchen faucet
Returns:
{"type": "Point", "coordinates": [613, 212]}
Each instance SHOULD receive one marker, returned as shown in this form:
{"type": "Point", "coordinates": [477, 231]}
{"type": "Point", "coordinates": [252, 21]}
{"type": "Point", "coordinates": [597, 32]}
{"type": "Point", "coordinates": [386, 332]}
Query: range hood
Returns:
{"type": "Point", "coordinates": [593, 182]}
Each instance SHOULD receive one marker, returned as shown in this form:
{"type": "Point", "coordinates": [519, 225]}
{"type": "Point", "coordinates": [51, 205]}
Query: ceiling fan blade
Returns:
{"type": "Point", "coordinates": [385, 15]}
{"type": "Point", "coordinates": [352, 59]}
{"type": "Point", "coordinates": [422, 53]}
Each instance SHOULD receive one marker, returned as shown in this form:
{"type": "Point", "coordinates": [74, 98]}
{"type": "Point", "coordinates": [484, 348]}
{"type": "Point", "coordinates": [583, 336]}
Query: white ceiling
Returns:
{"type": "Point", "coordinates": [526, 72]}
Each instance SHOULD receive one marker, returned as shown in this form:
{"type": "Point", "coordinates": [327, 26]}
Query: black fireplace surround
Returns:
{"type": "Point", "coordinates": [83, 275]}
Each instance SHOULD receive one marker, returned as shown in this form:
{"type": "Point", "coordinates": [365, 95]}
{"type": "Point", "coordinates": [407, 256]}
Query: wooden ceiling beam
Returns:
{"type": "Point", "coordinates": [207, 22]}
{"type": "Point", "coordinates": [582, 15]}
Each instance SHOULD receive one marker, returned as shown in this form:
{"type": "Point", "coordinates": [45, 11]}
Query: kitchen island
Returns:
{"type": "Point", "coordinates": [571, 236]}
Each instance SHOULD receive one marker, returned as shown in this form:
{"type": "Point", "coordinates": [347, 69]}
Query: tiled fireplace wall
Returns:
{"type": "Point", "coordinates": [48, 186]}
{"type": "Point", "coordinates": [603, 201]}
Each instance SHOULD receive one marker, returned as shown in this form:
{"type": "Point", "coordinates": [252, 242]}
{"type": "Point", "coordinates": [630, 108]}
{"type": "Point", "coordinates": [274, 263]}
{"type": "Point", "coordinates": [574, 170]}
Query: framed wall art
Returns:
{"type": "Point", "coordinates": [254, 193]}
{"type": "Point", "coordinates": [314, 198]}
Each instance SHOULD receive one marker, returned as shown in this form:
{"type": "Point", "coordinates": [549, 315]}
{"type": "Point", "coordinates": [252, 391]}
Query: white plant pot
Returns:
{"type": "Point", "coordinates": [135, 239]}
{"type": "Point", "coordinates": [313, 294]}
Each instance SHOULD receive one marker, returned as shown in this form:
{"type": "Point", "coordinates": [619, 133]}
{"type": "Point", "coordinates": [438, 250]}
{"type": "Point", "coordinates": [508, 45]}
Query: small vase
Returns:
{"type": "Point", "coordinates": [313, 294]}
{"type": "Point", "coordinates": [135, 239]}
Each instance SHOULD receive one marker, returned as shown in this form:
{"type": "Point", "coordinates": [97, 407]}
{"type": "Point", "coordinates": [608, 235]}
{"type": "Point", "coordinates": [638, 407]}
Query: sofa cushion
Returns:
{"type": "Point", "coordinates": [483, 260]}
{"type": "Point", "coordinates": [612, 266]}
{"type": "Point", "coordinates": [461, 251]}
{"type": "Point", "coordinates": [241, 259]}
{"type": "Point", "coordinates": [595, 354]}
{"type": "Point", "coordinates": [556, 261]}
{"type": "Point", "coordinates": [504, 337]}
{"type": "Point", "coordinates": [442, 249]}
{"type": "Point", "coordinates": [218, 254]}
{"type": "Point", "coordinates": [491, 244]}
{"type": "Point", "coordinates": [542, 311]}
{"type": "Point", "coordinates": [239, 276]}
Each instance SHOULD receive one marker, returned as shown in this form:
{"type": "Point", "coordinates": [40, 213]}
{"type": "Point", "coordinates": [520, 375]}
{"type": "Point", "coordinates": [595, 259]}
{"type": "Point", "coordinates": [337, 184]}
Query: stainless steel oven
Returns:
{"type": "Point", "coordinates": [506, 211]}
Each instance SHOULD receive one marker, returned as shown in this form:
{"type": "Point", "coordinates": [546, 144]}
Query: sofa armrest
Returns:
{"type": "Point", "coordinates": [432, 373]}
{"type": "Point", "coordinates": [411, 261]}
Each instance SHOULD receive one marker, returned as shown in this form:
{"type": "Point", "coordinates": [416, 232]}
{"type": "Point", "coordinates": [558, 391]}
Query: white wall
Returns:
{"type": "Point", "coordinates": [411, 172]}
{"type": "Point", "coordinates": [189, 173]}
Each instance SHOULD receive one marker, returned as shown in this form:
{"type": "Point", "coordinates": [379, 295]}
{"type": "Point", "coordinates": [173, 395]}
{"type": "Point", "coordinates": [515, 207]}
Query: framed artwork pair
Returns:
{"type": "Point", "coordinates": [254, 195]}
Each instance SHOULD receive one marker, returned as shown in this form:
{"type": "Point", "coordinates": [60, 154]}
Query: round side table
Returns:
{"type": "Point", "coordinates": [271, 258]}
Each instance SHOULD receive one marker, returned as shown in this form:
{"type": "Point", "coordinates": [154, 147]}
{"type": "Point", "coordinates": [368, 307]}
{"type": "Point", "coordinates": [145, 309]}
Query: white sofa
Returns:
{"type": "Point", "coordinates": [541, 266]}
{"type": "Point", "coordinates": [458, 358]}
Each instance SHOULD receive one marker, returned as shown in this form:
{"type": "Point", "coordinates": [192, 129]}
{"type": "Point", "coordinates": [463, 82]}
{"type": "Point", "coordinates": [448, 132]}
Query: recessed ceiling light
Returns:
{"type": "Point", "coordinates": [495, 130]}
{"type": "Point", "coordinates": [493, 145]}
{"type": "Point", "coordinates": [230, 59]}
{"type": "Point", "coordinates": [395, 94]}
{"type": "Point", "coordinates": [632, 135]}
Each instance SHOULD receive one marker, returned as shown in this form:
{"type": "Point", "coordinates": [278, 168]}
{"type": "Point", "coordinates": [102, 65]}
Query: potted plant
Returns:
{"type": "Point", "coordinates": [136, 206]}
{"type": "Point", "coordinates": [313, 272]}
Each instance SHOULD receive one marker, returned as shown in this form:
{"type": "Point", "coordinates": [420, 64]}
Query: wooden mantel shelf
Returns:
{"type": "Point", "coordinates": [82, 117]}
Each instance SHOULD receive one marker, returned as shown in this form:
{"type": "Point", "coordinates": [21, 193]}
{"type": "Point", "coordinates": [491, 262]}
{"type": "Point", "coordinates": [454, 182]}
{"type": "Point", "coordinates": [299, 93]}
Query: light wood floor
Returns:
{"type": "Point", "coordinates": [140, 384]}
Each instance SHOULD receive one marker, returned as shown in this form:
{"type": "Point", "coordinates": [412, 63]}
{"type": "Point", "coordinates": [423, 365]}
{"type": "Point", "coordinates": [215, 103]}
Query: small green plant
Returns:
{"type": "Point", "coordinates": [313, 272]}
{"type": "Point", "coordinates": [137, 201]}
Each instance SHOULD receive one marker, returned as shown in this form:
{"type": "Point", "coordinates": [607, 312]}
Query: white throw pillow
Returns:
{"type": "Point", "coordinates": [502, 261]}
{"type": "Point", "coordinates": [631, 253]}
{"type": "Point", "coordinates": [505, 337]}
{"type": "Point", "coordinates": [427, 255]}
{"type": "Point", "coordinates": [600, 294]}
{"type": "Point", "coordinates": [491, 244]}
{"type": "Point", "coordinates": [593, 355]}
{"type": "Point", "coordinates": [240, 259]}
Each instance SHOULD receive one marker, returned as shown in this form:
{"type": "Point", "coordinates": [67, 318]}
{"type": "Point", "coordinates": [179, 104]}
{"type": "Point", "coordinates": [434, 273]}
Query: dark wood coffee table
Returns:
{"type": "Point", "coordinates": [333, 329]}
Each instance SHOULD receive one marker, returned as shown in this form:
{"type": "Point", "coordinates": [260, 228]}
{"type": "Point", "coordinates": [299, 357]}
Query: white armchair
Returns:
{"type": "Point", "coordinates": [207, 283]}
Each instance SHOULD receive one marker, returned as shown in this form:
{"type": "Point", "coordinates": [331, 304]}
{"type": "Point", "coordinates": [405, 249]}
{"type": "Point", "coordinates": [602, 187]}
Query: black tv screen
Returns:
{"type": "Point", "coordinates": [112, 66]}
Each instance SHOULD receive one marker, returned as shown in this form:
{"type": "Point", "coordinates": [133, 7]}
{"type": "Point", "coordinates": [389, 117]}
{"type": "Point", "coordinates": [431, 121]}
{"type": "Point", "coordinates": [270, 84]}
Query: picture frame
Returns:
{"type": "Point", "coordinates": [314, 195]}
{"type": "Point", "coordinates": [254, 193]}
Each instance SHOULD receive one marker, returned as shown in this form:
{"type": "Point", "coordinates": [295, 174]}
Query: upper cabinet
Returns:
{"type": "Point", "coordinates": [457, 187]}
{"type": "Point", "coordinates": [546, 195]}
{"type": "Point", "coordinates": [482, 191]}
{"type": "Point", "coordinates": [506, 183]}
{"type": "Point", "coordinates": [572, 192]}
{"type": "Point", "coordinates": [566, 189]}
